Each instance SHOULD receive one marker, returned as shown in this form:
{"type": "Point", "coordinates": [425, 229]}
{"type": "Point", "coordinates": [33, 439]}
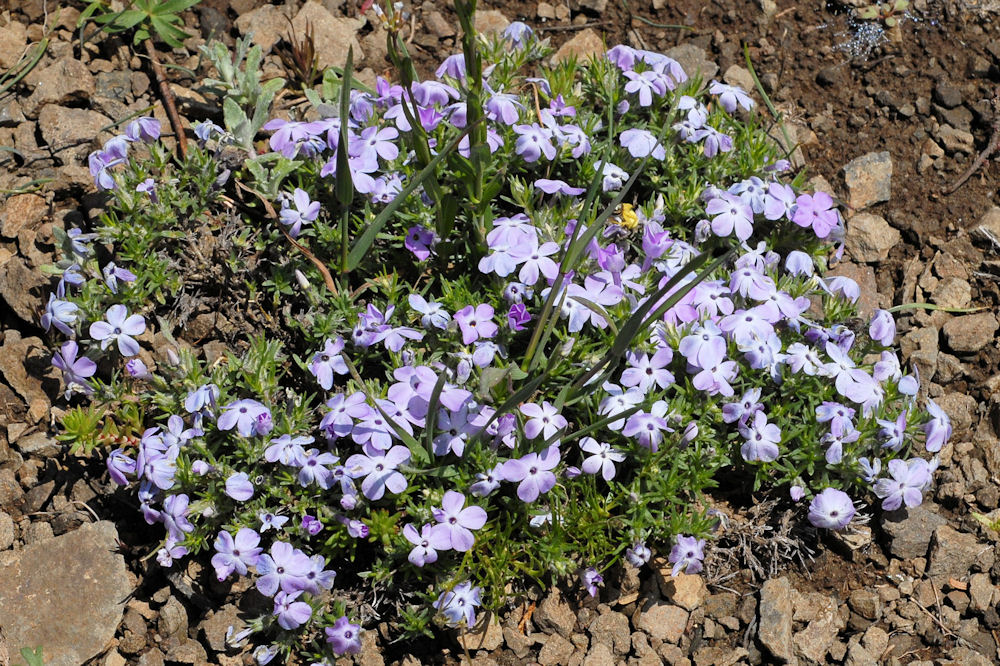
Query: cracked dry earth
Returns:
{"type": "Point", "coordinates": [888, 133]}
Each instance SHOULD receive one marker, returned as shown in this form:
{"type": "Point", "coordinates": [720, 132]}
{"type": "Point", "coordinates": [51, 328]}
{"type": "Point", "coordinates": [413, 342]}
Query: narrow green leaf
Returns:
{"type": "Point", "coordinates": [345, 185]}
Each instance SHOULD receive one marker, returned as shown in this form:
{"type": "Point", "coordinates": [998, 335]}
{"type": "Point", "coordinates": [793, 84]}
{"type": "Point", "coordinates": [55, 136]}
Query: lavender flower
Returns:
{"type": "Point", "coordinates": [730, 214]}
{"type": "Point", "coordinates": [730, 96]}
{"type": "Point", "coordinates": [602, 459]}
{"type": "Point", "coordinates": [419, 241]}
{"type": "Point", "coordinates": [831, 509]}
{"type": "Point", "coordinates": [687, 555]}
{"type": "Point", "coordinates": [119, 327]}
{"type": "Point", "coordinates": [291, 614]}
{"type": "Point", "coordinates": [882, 328]}
{"type": "Point", "coordinates": [170, 552]}
{"type": "Point", "coordinates": [816, 211]}
{"type": "Point", "coordinates": [75, 371]}
{"type": "Point", "coordinates": [591, 580]}
{"type": "Point", "coordinates": [534, 141]}
{"type": "Point", "coordinates": [239, 487]}
{"type": "Point", "coordinates": [269, 521]}
{"type": "Point", "coordinates": [344, 637]}
{"type": "Point", "coordinates": [285, 568]}
{"type": "Point", "coordinates": [304, 212]}
{"type": "Point", "coordinates": [476, 322]}
{"type": "Point", "coordinates": [379, 470]}
{"type": "Point", "coordinates": [486, 483]}
{"type": "Point", "coordinates": [145, 129]}
{"type": "Point", "coordinates": [518, 316]}
{"type": "Point", "coordinates": [311, 525]}
{"type": "Point", "coordinates": [456, 523]}
{"type": "Point", "coordinates": [641, 143]}
{"type": "Point", "coordinates": [327, 362]}
{"type": "Point", "coordinates": [459, 604]}
{"type": "Point", "coordinates": [938, 429]}
{"type": "Point", "coordinates": [433, 315]}
{"type": "Point", "coordinates": [235, 554]}
{"type": "Point", "coordinates": [533, 473]}
{"type": "Point", "coordinates": [906, 485]}
{"type": "Point", "coordinates": [424, 550]}
{"type": "Point", "coordinates": [638, 554]}
{"type": "Point", "coordinates": [242, 415]}
{"type": "Point", "coordinates": [119, 465]}
{"type": "Point", "coordinates": [61, 314]}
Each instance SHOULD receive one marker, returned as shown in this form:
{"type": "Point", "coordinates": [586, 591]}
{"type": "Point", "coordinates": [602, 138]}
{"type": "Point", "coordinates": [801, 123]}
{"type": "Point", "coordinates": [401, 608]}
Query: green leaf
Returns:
{"type": "Point", "coordinates": [345, 185]}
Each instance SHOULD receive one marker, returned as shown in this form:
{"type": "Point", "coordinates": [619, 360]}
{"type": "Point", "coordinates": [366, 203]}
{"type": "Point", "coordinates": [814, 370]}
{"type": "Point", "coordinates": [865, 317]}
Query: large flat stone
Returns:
{"type": "Point", "coordinates": [66, 594]}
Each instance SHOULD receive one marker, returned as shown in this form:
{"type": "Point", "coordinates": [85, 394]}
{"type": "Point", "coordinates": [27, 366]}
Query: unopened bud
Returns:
{"type": "Point", "coordinates": [301, 279]}
{"type": "Point", "coordinates": [172, 357]}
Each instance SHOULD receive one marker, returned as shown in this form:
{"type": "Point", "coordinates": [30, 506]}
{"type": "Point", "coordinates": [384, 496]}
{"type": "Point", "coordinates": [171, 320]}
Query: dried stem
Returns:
{"type": "Point", "coordinates": [991, 147]}
{"type": "Point", "coordinates": [168, 98]}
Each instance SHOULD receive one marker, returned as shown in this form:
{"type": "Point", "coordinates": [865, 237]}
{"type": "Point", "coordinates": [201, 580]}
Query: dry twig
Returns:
{"type": "Point", "coordinates": [168, 98]}
{"type": "Point", "coordinates": [991, 147]}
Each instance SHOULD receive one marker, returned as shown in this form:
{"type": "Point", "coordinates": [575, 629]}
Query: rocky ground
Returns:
{"type": "Point", "coordinates": [888, 131]}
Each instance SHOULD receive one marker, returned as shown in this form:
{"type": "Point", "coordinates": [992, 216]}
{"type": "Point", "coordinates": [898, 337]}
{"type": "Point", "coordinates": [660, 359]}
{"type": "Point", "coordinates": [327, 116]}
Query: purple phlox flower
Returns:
{"type": "Point", "coordinates": [553, 186]}
{"type": "Point", "coordinates": [504, 431]}
{"type": "Point", "coordinates": [663, 63]}
{"type": "Point", "coordinates": [835, 444]}
{"type": "Point", "coordinates": [201, 468]}
{"type": "Point", "coordinates": [887, 367]}
{"type": "Point", "coordinates": [291, 135]}
{"type": "Point", "coordinates": [780, 201]}
{"type": "Point", "coordinates": [242, 415]}
{"type": "Point", "coordinates": [844, 286]}
{"type": "Point", "coordinates": [591, 580]}
{"type": "Point", "coordinates": [642, 143]}
{"type": "Point", "coordinates": [264, 654]}
{"type": "Point", "coordinates": [715, 379]}
{"type": "Point", "coordinates": [534, 141]}
{"type": "Point", "coordinates": [617, 402]}
{"type": "Point", "coordinates": [799, 263]}
{"type": "Point", "coordinates": [423, 551]}
{"type": "Point", "coordinates": [413, 391]}
{"type": "Point", "coordinates": [831, 509]}
{"type": "Point", "coordinates": [455, 523]}
{"type": "Point", "coordinates": [893, 433]}
{"type": "Point", "coordinates": [291, 614]}
{"type": "Point", "coordinates": [204, 397]}
{"type": "Point", "coordinates": [71, 275]}
{"type": "Point", "coordinates": [318, 578]}
{"type": "Point", "coordinates": [743, 410]}
{"type": "Point", "coordinates": [803, 358]}
{"type": "Point", "coordinates": [518, 34]}
{"type": "Point", "coordinates": [487, 482]}
{"type": "Point", "coordinates": [176, 434]}
{"type": "Point", "coordinates": [542, 419]}
{"type": "Point", "coordinates": [840, 416]}
{"type": "Point", "coordinates": [712, 299]}
{"type": "Point", "coordinates": [646, 85]}
{"type": "Point", "coordinates": [75, 370]}
{"type": "Point", "coordinates": [355, 528]}
{"type": "Point", "coordinates": [476, 322]}
{"type": "Point", "coordinates": [938, 429]}
{"type": "Point", "coordinates": [146, 495]}
{"type": "Point", "coordinates": [428, 93]}
{"type": "Point", "coordinates": [170, 552]}
{"type": "Point", "coordinates": [379, 469]}
{"type": "Point", "coordinates": [311, 525]}
{"type": "Point", "coordinates": [646, 371]}
{"type": "Point", "coordinates": [624, 57]}
{"type": "Point", "coordinates": [119, 327]}
{"type": "Point", "coordinates": [114, 152]}
{"type": "Point", "coordinates": [638, 554]}
{"type": "Point", "coordinates": [155, 462]}
{"type": "Point", "coordinates": [750, 192]}
{"type": "Point", "coordinates": [174, 516]}
{"type": "Point", "coordinates": [79, 242]}
{"type": "Point", "coordinates": [459, 604]}
{"type": "Point", "coordinates": [796, 493]}
{"type": "Point", "coordinates": [344, 637]}
{"type": "Point", "coordinates": [371, 327]}
{"type": "Point", "coordinates": [693, 123]}
{"type": "Point", "coordinates": [533, 473]}
{"type": "Point", "coordinates": [235, 554]}
{"type": "Point", "coordinates": [433, 315]}
{"type": "Point", "coordinates": [764, 354]}
{"type": "Point", "coordinates": [517, 292]}
{"type": "Point", "coordinates": [239, 487]}
{"type": "Point", "coordinates": [145, 129]}
{"type": "Point", "coordinates": [375, 143]}
{"type": "Point", "coordinates": [730, 96]}
{"type": "Point", "coordinates": [870, 469]}
{"type": "Point", "coordinates": [119, 464]}
{"type": "Point", "coordinates": [576, 308]}
{"type": "Point", "coordinates": [816, 211]}
{"type": "Point", "coordinates": [559, 108]}
{"type": "Point", "coordinates": [715, 141]}
{"type": "Point", "coordinates": [906, 486]}
{"type": "Point", "coordinates": [206, 130]}
{"type": "Point", "coordinates": [270, 521]}
{"type": "Point", "coordinates": [456, 426]}
{"type": "Point", "coordinates": [419, 241]}
{"type": "Point", "coordinates": [148, 187]}
{"type": "Point", "coordinates": [751, 283]}
{"type": "Point", "coordinates": [574, 136]}
{"type": "Point", "coordinates": [386, 188]}
{"type": "Point", "coordinates": [744, 325]}
{"type": "Point", "coordinates": [535, 260]}
{"type": "Point", "coordinates": [328, 361]}
{"type": "Point", "coordinates": [503, 108]}
{"type": "Point", "coordinates": [518, 316]}
{"type": "Point", "coordinates": [284, 568]}
{"type": "Point", "coordinates": [395, 337]}
{"type": "Point", "coordinates": [304, 211]}
{"type": "Point", "coordinates": [602, 459]}
{"type": "Point", "coordinates": [137, 369]}
{"type": "Point", "coordinates": [61, 314]}
{"type": "Point", "coordinates": [288, 450]}
{"type": "Point", "coordinates": [361, 106]}
{"type": "Point", "coordinates": [762, 439]}
{"type": "Point", "coordinates": [313, 468]}
{"type": "Point", "coordinates": [377, 430]}
{"type": "Point", "coordinates": [614, 177]}
{"type": "Point", "coordinates": [729, 213]}
{"type": "Point", "coordinates": [882, 328]}
{"type": "Point", "coordinates": [687, 555]}
{"type": "Point", "coordinates": [453, 66]}
{"type": "Point", "coordinates": [648, 427]}
{"type": "Point", "coordinates": [704, 347]}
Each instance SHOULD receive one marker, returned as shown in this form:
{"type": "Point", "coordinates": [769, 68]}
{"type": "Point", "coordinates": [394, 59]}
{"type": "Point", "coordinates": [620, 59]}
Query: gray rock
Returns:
{"type": "Point", "coordinates": [64, 81]}
{"type": "Point", "coordinates": [960, 408]}
{"type": "Point", "coordinates": [555, 614]}
{"type": "Point", "coordinates": [869, 238]}
{"type": "Point", "coordinates": [70, 133]}
{"type": "Point", "coordinates": [600, 655]}
{"type": "Point", "coordinates": [740, 77]}
{"type": "Point", "coordinates": [981, 592]}
{"type": "Point", "coordinates": [438, 25]}
{"type": "Point", "coordinates": [693, 60]}
{"type": "Point", "coordinates": [39, 444]}
{"type": "Point", "coordinates": [556, 650]}
{"type": "Point", "coordinates": [489, 21]}
{"type": "Point", "coordinates": [774, 628]}
{"type": "Point", "coordinates": [866, 603]}
{"type": "Point", "coordinates": [947, 94]}
{"type": "Point", "coordinates": [970, 333]}
{"type": "Point", "coordinates": [268, 23]}
{"type": "Point", "coordinates": [596, 6]}
{"type": "Point", "coordinates": [952, 293]}
{"type": "Point", "coordinates": [13, 39]}
{"type": "Point", "coordinates": [612, 628]}
{"type": "Point", "coordinates": [332, 35]}
{"type": "Point", "coordinates": [664, 622]}
{"type": "Point", "coordinates": [813, 642]}
{"type": "Point", "coordinates": [66, 594]}
{"type": "Point", "coordinates": [23, 289]}
{"type": "Point", "coordinates": [173, 618]}
{"type": "Point", "coordinates": [909, 530]}
{"type": "Point", "coordinates": [686, 590]}
{"type": "Point", "coordinates": [955, 140]}
{"type": "Point", "coordinates": [859, 656]}
{"type": "Point", "coordinates": [6, 531]}
{"type": "Point", "coordinates": [868, 179]}
{"type": "Point", "coordinates": [23, 364]}
{"type": "Point", "coordinates": [215, 626]}
{"type": "Point", "coordinates": [187, 652]}
{"type": "Point", "coordinates": [486, 635]}
{"type": "Point", "coordinates": [584, 44]}
{"type": "Point", "coordinates": [954, 553]}
{"type": "Point", "coordinates": [23, 210]}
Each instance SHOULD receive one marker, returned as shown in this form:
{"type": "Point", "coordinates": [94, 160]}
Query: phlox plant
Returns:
{"type": "Point", "coordinates": [529, 317]}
